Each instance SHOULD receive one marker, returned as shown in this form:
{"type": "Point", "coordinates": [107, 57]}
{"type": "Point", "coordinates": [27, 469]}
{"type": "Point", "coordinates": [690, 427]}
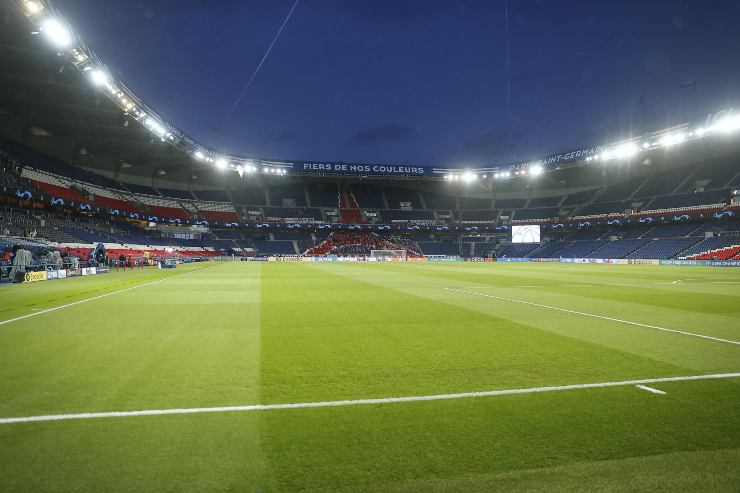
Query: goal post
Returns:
{"type": "Point", "coordinates": [397, 254]}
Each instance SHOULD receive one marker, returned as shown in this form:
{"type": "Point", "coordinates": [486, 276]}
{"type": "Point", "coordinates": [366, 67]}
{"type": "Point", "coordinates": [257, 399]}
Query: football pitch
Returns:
{"type": "Point", "coordinates": [392, 377]}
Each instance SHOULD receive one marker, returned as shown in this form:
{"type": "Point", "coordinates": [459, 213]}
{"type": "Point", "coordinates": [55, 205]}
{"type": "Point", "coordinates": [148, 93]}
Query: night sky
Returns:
{"type": "Point", "coordinates": [417, 81]}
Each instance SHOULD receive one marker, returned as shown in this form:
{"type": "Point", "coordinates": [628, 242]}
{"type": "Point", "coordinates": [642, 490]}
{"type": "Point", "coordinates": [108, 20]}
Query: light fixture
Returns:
{"type": "Point", "coordinates": [98, 77]}
{"type": "Point", "coordinates": [673, 139]}
{"type": "Point", "coordinates": [33, 7]}
{"type": "Point", "coordinates": [626, 150]}
{"type": "Point", "coordinates": [56, 33]}
{"type": "Point", "coordinates": [727, 124]}
{"type": "Point", "coordinates": [199, 155]}
{"type": "Point", "coordinates": [536, 170]}
{"type": "Point", "coordinates": [221, 163]}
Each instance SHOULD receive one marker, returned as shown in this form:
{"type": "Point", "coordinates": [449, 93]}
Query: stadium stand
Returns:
{"type": "Point", "coordinates": [288, 195]}
{"type": "Point", "coordinates": [249, 196]}
{"type": "Point", "coordinates": [542, 202]}
{"type": "Point", "coordinates": [664, 248]}
{"type": "Point", "coordinates": [580, 198]}
{"type": "Point", "coordinates": [324, 194]}
{"type": "Point", "coordinates": [618, 248]}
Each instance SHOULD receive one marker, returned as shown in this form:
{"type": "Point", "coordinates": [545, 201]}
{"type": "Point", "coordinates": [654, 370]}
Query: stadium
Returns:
{"type": "Point", "coordinates": [176, 318]}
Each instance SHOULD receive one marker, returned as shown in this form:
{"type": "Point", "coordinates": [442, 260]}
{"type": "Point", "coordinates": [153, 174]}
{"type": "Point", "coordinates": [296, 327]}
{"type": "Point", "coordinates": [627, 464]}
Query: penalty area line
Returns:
{"type": "Point", "coordinates": [593, 315]}
{"type": "Point", "coordinates": [359, 402]}
{"type": "Point", "coordinates": [55, 308]}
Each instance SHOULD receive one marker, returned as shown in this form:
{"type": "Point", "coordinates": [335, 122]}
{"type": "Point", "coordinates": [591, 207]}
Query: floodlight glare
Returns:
{"type": "Point", "coordinates": [728, 124]}
{"type": "Point", "coordinates": [33, 7]}
{"type": "Point", "coordinates": [98, 77]}
{"type": "Point", "coordinates": [221, 163]}
{"type": "Point", "coordinates": [468, 177]}
{"type": "Point", "coordinates": [536, 170]}
{"type": "Point", "coordinates": [626, 150]}
{"type": "Point", "coordinates": [56, 33]}
{"type": "Point", "coordinates": [672, 139]}
{"type": "Point", "coordinates": [199, 155]}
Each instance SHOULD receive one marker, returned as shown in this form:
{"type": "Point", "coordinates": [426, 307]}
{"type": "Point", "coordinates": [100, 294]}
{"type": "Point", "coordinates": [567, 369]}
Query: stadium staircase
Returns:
{"type": "Point", "coordinates": [349, 210]}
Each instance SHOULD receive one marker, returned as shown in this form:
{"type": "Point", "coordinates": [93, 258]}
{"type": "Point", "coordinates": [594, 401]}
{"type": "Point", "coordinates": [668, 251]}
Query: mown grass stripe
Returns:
{"type": "Point", "coordinates": [93, 298]}
{"type": "Point", "coordinates": [593, 315]}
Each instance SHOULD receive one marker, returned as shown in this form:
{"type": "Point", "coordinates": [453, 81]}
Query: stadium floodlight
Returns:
{"type": "Point", "coordinates": [56, 33]}
{"type": "Point", "coordinates": [468, 177]}
{"type": "Point", "coordinates": [645, 145]}
{"type": "Point", "coordinates": [536, 170]}
{"type": "Point", "coordinates": [98, 77]}
{"type": "Point", "coordinates": [626, 150]}
{"type": "Point", "coordinates": [727, 124]}
{"type": "Point", "coordinates": [33, 7]}
{"type": "Point", "coordinates": [673, 139]}
{"type": "Point", "coordinates": [221, 163]}
{"type": "Point", "coordinates": [199, 155]}
{"type": "Point", "coordinates": [606, 155]}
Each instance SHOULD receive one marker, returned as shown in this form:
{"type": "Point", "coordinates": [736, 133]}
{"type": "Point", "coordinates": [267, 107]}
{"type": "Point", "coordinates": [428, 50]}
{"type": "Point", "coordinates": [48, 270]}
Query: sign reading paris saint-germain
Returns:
{"type": "Point", "coordinates": [361, 169]}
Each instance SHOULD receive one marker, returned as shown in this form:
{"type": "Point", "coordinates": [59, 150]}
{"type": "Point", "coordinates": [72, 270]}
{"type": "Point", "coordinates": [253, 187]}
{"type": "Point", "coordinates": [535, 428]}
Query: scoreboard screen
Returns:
{"type": "Point", "coordinates": [525, 234]}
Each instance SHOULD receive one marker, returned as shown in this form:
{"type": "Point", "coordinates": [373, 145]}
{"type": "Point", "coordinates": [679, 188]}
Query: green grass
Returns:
{"type": "Point", "coordinates": [267, 333]}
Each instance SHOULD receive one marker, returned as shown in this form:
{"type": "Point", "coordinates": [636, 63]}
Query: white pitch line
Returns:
{"type": "Point", "coordinates": [602, 317]}
{"type": "Point", "coordinates": [357, 402]}
{"type": "Point", "coordinates": [47, 310]}
{"type": "Point", "coordinates": [650, 389]}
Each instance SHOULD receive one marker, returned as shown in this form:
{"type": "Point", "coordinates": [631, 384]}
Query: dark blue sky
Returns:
{"type": "Point", "coordinates": [417, 81]}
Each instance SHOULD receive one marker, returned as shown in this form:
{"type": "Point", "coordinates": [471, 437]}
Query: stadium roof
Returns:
{"type": "Point", "coordinates": [60, 98]}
